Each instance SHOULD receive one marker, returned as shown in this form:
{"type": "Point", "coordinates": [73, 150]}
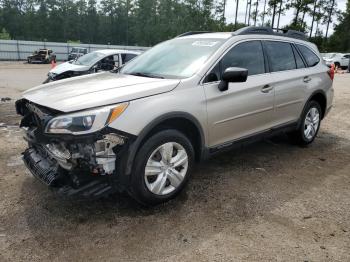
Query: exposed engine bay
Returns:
{"type": "Point", "coordinates": [84, 165]}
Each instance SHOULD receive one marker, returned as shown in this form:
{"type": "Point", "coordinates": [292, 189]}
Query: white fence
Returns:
{"type": "Point", "coordinates": [20, 50]}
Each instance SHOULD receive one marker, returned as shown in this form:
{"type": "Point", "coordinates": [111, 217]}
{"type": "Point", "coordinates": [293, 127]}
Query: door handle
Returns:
{"type": "Point", "coordinates": [307, 79]}
{"type": "Point", "coordinates": [266, 88]}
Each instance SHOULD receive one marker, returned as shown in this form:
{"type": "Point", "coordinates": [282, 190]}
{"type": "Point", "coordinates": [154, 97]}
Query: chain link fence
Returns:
{"type": "Point", "coordinates": [17, 50]}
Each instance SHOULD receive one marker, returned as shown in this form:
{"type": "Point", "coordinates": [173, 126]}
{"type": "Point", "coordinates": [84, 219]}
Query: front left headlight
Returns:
{"type": "Point", "coordinates": [85, 122]}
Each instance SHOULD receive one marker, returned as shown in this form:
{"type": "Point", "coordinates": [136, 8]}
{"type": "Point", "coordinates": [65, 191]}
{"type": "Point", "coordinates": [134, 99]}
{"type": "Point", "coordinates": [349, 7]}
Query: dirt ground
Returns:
{"type": "Point", "coordinates": [271, 201]}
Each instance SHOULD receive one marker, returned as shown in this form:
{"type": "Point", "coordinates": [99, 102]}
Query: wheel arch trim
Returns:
{"type": "Point", "coordinates": [134, 147]}
{"type": "Point", "coordinates": [313, 94]}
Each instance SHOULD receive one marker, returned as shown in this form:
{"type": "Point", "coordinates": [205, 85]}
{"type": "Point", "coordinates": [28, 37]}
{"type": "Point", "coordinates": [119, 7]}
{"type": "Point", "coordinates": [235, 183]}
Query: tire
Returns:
{"type": "Point", "coordinates": [146, 188]}
{"type": "Point", "coordinates": [307, 131]}
{"type": "Point", "coordinates": [29, 61]}
{"type": "Point", "coordinates": [336, 64]}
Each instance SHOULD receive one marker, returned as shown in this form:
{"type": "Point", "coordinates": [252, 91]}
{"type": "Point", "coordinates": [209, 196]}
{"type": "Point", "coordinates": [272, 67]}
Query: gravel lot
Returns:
{"type": "Point", "coordinates": [269, 201]}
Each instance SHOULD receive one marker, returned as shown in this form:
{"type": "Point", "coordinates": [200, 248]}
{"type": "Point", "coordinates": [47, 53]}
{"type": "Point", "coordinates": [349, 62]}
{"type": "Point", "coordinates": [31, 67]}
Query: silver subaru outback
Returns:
{"type": "Point", "coordinates": [140, 130]}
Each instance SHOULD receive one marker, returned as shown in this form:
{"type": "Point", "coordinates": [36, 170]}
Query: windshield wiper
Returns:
{"type": "Point", "coordinates": [146, 75]}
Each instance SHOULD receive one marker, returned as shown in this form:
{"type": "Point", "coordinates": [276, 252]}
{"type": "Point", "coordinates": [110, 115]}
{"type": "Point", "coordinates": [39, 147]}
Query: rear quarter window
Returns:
{"type": "Point", "coordinates": [310, 57]}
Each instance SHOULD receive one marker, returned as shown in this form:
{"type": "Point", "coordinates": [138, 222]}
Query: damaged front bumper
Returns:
{"type": "Point", "coordinates": [86, 165]}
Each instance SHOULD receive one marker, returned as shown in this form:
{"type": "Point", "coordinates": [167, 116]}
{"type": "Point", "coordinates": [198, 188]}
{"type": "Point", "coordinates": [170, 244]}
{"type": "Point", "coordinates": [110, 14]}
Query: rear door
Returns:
{"type": "Point", "coordinates": [288, 73]}
{"type": "Point", "coordinates": [245, 108]}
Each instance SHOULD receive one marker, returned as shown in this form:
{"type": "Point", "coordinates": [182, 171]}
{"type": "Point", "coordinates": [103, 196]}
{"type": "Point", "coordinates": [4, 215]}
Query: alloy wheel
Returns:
{"type": "Point", "coordinates": [311, 123]}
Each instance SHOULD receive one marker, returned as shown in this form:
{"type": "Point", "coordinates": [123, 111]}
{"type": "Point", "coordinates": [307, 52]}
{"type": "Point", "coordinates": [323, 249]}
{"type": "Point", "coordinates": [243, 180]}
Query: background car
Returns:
{"type": "Point", "coordinates": [77, 52]}
{"type": "Point", "coordinates": [338, 59]}
{"type": "Point", "coordinates": [101, 60]}
{"type": "Point", "coordinates": [42, 56]}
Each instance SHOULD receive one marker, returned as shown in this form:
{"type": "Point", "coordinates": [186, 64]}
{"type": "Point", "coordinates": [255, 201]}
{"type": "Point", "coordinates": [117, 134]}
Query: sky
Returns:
{"type": "Point", "coordinates": [285, 19]}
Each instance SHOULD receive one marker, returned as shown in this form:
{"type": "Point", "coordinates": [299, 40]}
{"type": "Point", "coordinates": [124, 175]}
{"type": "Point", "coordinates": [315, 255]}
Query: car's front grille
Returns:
{"type": "Point", "coordinates": [41, 166]}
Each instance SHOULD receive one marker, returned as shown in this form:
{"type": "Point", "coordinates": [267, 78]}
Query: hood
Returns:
{"type": "Point", "coordinates": [64, 67]}
{"type": "Point", "coordinates": [83, 92]}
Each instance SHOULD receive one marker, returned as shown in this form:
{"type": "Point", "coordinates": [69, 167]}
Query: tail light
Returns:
{"type": "Point", "coordinates": [331, 72]}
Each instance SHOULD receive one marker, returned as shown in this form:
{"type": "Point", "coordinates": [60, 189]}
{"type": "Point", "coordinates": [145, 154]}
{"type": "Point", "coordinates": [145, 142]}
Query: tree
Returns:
{"type": "Point", "coordinates": [329, 13]}
{"type": "Point", "coordinates": [4, 35]}
{"type": "Point", "coordinates": [340, 40]}
{"type": "Point", "coordinates": [264, 13]}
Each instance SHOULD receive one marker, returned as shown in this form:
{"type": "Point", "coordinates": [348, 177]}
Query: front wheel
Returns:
{"type": "Point", "coordinates": [162, 167]}
{"type": "Point", "coordinates": [309, 125]}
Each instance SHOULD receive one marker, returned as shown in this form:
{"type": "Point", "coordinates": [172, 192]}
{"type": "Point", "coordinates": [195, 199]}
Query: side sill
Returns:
{"type": "Point", "coordinates": [234, 144]}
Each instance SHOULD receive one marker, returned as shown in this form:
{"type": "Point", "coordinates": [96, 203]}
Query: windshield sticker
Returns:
{"type": "Point", "coordinates": [204, 43]}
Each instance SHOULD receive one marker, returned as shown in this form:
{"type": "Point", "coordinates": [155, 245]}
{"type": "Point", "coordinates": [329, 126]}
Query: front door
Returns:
{"type": "Point", "coordinates": [245, 108]}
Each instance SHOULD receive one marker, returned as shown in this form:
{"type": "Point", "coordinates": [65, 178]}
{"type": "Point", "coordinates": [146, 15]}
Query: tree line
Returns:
{"type": "Point", "coordinates": [147, 22]}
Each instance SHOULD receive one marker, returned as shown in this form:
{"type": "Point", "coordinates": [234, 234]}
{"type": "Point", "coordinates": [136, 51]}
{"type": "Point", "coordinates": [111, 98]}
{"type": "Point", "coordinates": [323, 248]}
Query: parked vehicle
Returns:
{"type": "Point", "coordinates": [102, 60]}
{"type": "Point", "coordinates": [338, 59]}
{"type": "Point", "coordinates": [141, 130]}
{"type": "Point", "coordinates": [44, 56]}
{"type": "Point", "coordinates": [77, 52]}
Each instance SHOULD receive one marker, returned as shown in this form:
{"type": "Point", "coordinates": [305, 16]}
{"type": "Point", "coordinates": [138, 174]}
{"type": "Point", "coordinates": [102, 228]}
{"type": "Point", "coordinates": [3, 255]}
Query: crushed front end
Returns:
{"type": "Point", "coordinates": [84, 164]}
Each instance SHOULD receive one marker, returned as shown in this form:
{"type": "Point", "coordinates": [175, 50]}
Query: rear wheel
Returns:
{"type": "Point", "coordinates": [309, 126]}
{"type": "Point", "coordinates": [162, 167]}
{"type": "Point", "coordinates": [29, 61]}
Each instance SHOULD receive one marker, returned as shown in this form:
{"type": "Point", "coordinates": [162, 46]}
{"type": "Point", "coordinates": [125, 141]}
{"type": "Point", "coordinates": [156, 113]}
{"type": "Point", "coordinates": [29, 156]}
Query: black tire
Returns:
{"type": "Point", "coordinates": [138, 188]}
{"type": "Point", "coordinates": [298, 136]}
{"type": "Point", "coordinates": [336, 64]}
{"type": "Point", "coordinates": [29, 61]}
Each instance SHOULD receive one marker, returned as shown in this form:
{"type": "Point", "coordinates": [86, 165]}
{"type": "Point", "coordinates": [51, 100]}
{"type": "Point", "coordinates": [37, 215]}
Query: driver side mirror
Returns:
{"type": "Point", "coordinates": [233, 75]}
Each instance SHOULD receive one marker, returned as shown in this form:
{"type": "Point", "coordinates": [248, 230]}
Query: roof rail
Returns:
{"type": "Point", "coordinates": [193, 33]}
{"type": "Point", "coordinates": [249, 30]}
{"type": "Point", "coordinates": [296, 34]}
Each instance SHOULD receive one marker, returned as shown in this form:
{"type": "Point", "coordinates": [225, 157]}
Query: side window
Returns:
{"type": "Point", "coordinates": [298, 59]}
{"type": "Point", "coordinates": [310, 57]}
{"type": "Point", "coordinates": [280, 55]}
{"type": "Point", "coordinates": [214, 75]}
{"type": "Point", "coordinates": [127, 57]}
{"type": "Point", "coordinates": [247, 55]}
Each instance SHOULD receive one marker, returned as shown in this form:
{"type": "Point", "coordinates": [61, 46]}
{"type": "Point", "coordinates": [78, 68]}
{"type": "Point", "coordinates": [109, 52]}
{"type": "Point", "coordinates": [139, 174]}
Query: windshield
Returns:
{"type": "Point", "coordinates": [89, 59]}
{"type": "Point", "coordinates": [177, 58]}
